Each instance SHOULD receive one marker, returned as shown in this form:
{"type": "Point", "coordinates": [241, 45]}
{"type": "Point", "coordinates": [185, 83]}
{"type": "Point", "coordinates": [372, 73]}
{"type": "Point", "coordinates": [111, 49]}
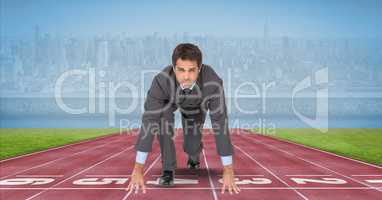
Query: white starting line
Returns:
{"type": "Point", "coordinates": [177, 181]}
{"type": "Point", "coordinates": [256, 179]}
{"type": "Point", "coordinates": [368, 175]}
{"type": "Point", "coordinates": [39, 176]}
{"type": "Point", "coordinates": [108, 176]}
{"type": "Point", "coordinates": [194, 188]}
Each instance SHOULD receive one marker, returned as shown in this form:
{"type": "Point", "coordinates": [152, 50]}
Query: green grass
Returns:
{"type": "Point", "coordinates": [358, 143]}
{"type": "Point", "coordinates": [19, 141]}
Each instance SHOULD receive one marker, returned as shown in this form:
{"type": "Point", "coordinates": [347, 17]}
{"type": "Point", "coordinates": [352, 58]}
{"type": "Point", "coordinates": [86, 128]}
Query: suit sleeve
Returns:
{"type": "Point", "coordinates": [153, 107]}
{"type": "Point", "coordinates": [219, 120]}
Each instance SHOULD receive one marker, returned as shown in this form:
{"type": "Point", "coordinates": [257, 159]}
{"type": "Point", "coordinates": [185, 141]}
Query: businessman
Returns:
{"type": "Point", "coordinates": [195, 89]}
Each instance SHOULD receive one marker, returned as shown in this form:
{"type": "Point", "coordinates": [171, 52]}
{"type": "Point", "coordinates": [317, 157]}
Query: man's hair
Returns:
{"type": "Point", "coordinates": [187, 51]}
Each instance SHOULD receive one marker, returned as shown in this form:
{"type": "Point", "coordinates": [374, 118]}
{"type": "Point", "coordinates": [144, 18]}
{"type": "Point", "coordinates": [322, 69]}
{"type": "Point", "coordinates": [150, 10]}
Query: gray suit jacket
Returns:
{"type": "Point", "coordinates": [165, 96]}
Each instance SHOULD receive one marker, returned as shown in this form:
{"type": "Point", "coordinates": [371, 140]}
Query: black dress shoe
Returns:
{"type": "Point", "coordinates": [191, 164]}
{"type": "Point", "coordinates": [167, 178]}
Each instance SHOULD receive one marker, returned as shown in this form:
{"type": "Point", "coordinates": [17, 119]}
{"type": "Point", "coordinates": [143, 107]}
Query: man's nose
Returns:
{"type": "Point", "coordinates": [186, 76]}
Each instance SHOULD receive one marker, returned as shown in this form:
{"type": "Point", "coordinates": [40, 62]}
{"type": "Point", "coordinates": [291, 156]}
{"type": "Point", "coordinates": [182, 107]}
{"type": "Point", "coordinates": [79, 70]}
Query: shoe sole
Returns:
{"type": "Point", "coordinates": [165, 185]}
{"type": "Point", "coordinates": [170, 185]}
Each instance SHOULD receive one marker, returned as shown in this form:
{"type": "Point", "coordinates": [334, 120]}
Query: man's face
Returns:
{"type": "Point", "coordinates": [186, 72]}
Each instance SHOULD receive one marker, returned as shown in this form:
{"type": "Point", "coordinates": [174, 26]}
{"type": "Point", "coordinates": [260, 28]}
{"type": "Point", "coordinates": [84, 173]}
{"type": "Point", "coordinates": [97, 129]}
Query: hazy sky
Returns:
{"type": "Point", "coordinates": [295, 18]}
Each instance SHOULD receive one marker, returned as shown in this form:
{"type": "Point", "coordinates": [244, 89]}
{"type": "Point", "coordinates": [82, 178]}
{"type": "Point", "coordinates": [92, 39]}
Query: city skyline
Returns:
{"type": "Point", "coordinates": [273, 42]}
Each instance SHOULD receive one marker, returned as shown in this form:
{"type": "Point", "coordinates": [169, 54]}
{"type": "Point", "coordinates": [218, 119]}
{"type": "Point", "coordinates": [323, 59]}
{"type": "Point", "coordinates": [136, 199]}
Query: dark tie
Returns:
{"type": "Point", "coordinates": [187, 91]}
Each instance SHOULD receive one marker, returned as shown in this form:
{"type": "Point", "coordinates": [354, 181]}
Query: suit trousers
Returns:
{"type": "Point", "coordinates": [192, 124]}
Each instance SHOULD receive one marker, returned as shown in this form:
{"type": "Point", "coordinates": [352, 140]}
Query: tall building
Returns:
{"type": "Point", "coordinates": [266, 36]}
{"type": "Point", "coordinates": [103, 54]}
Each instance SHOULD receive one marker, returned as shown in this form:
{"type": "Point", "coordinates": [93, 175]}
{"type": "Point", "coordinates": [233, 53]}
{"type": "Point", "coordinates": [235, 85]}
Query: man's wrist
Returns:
{"type": "Point", "coordinates": [227, 170]}
{"type": "Point", "coordinates": [227, 167]}
{"type": "Point", "coordinates": [138, 167]}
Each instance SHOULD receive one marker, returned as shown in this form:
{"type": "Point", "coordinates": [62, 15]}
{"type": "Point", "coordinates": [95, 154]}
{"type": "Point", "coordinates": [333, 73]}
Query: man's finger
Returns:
{"type": "Point", "coordinates": [223, 188]}
{"type": "Point", "coordinates": [236, 189]}
{"type": "Point", "coordinates": [136, 188]}
{"type": "Point", "coordinates": [144, 188]}
{"type": "Point", "coordinates": [129, 187]}
{"type": "Point", "coordinates": [230, 189]}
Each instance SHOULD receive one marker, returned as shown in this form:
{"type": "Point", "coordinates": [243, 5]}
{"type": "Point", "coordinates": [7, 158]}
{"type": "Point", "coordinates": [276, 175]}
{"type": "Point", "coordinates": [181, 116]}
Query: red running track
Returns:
{"type": "Point", "coordinates": [265, 168]}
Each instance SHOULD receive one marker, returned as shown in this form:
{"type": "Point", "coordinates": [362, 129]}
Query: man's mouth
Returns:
{"type": "Point", "coordinates": [186, 84]}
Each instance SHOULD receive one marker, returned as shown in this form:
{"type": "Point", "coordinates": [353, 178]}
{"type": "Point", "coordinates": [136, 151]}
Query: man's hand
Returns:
{"type": "Point", "coordinates": [137, 179]}
{"type": "Point", "coordinates": [229, 181]}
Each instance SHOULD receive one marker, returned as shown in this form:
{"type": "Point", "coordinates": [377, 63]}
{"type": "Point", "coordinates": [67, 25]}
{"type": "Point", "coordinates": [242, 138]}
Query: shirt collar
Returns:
{"type": "Point", "coordinates": [192, 86]}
